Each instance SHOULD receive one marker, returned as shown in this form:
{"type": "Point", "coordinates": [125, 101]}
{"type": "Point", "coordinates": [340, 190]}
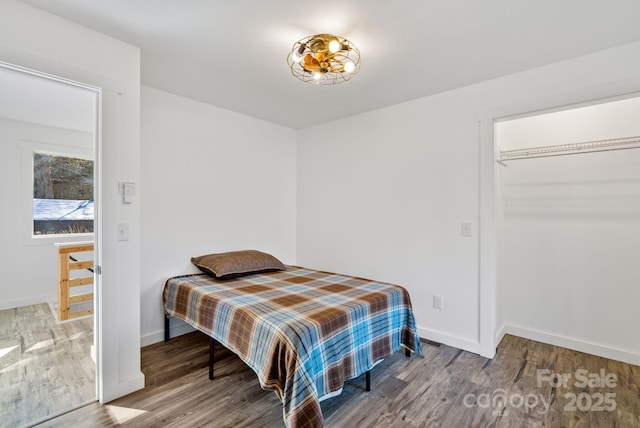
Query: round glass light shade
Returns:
{"type": "Point", "coordinates": [349, 67]}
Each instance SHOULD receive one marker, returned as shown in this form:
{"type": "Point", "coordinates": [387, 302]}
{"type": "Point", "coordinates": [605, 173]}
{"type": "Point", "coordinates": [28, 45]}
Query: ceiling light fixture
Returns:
{"type": "Point", "coordinates": [324, 59]}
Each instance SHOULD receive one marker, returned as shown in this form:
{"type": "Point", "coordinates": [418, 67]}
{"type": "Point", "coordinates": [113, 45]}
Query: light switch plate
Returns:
{"type": "Point", "coordinates": [127, 190]}
{"type": "Point", "coordinates": [123, 231]}
{"type": "Point", "coordinates": [465, 229]}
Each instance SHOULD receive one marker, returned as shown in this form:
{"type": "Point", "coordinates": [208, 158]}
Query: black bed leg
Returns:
{"type": "Point", "coordinates": [367, 376]}
{"type": "Point", "coordinates": [167, 334]}
{"type": "Point", "coordinates": [211, 359]}
{"type": "Point", "coordinates": [407, 353]}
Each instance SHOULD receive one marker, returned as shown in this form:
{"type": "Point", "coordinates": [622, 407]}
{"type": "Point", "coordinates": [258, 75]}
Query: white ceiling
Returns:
{"type": "Point", "coordinates": [233, 53]}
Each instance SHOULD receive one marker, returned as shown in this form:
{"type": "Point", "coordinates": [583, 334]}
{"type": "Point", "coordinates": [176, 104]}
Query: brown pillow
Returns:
{"type": "Point", "coordinates": [236, 263]}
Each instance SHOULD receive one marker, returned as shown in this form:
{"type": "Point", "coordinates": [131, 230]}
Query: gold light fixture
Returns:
{"type": "Point", "coordinates": [324, 59]}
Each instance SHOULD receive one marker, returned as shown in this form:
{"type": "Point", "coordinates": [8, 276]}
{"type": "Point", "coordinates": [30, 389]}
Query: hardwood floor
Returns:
{"type": "Point", "coordinates": [45, 366]}
{"type": "Point", "coordinates": [523, 386]}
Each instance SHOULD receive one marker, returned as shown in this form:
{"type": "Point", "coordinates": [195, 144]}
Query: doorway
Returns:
{"type": "Point", "coordinates": [568, 186]}
{"type": "Point", "coordinates": [45, 120]}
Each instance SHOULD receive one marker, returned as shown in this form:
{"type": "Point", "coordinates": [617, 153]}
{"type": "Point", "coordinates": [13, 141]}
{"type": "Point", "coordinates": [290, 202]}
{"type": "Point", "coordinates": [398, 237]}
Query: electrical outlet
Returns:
{"type": "Point", "coordinates": [437, 301]}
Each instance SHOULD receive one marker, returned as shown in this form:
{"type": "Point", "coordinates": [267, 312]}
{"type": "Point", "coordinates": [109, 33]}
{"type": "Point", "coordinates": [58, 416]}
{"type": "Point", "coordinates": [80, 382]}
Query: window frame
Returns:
{"type": "Point", "coordinates": [29, 149]}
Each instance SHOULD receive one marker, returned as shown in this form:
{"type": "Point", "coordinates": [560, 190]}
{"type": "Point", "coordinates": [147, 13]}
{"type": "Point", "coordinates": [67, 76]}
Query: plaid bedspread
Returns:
{"type": "Point", "coordinates": [303, 332]}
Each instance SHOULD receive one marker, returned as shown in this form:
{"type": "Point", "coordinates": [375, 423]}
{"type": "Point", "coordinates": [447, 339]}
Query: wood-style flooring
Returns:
{"type": "Point", "coordinates": [527, 384]}
{"type": "Point", "coordinates": [45, 366]}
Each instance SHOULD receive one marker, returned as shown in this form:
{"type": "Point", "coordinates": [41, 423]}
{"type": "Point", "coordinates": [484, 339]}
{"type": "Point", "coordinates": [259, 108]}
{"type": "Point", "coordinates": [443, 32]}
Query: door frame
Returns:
{"type": "Point", "coordinates": [491, 325]}
{"type": "Point", "coordinates": [97, 195]}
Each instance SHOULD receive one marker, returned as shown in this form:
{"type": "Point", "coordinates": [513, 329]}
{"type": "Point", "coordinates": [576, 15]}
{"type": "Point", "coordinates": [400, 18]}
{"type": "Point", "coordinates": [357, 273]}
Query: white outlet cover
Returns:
{"type": "Point", "coordinates": [437, 301]}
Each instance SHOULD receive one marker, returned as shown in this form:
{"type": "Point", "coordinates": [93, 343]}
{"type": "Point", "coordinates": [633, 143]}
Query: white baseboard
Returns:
{"type": "Point", "coordinates": [500, 335]}
{"type": "Point", "coordinates": [177, 329]}
{"type": "Point", "coordinates": [9, 304]}
{"type": "Point", "coordinates": [447, 339]}
{"type": "Point", "coordinates": [575, 344]}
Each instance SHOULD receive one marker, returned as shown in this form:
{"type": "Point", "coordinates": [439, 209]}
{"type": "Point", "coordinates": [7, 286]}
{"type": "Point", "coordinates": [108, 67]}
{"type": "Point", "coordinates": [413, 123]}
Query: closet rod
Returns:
{"type": "Point", "coordinates": [571, 149]}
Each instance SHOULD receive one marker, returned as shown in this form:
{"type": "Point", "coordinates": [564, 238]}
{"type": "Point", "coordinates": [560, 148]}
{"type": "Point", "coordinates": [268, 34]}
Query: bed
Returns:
{"type": "Point", "coordinates": [303, 332]}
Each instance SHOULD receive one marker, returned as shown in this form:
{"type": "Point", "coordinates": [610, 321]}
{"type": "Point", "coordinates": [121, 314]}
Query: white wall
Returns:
{"type": "Point", "coordinates": [572, 228]}
{"type": "Point", "coordinates": [20, 283]}
{"type": "Point", "coordinates": [385, 195]}
{"type": "Point", "coordinates": [214, 181]}
{"type": "Point", "coordinates": [40, 41]}
{"type": "Point", "coordinates": [386, 199]}
{"type": "Point", "coordinates": [34, 99]}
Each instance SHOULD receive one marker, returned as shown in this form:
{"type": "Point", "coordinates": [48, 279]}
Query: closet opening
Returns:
{"type": "Point", "coordinates": [568, 227]}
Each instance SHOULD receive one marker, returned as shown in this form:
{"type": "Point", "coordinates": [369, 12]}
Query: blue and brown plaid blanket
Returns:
{"type": "Point", "coordinates": [304, 332]}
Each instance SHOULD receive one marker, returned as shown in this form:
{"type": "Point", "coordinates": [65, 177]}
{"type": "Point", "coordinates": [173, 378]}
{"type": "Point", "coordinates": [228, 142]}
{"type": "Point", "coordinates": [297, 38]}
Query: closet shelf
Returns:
{"type": "Point", "coordinates": [571, 149]}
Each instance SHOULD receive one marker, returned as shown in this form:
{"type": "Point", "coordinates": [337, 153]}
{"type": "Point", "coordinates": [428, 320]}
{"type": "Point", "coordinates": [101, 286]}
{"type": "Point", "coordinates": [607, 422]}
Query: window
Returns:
{"type": "Point", "coordinates": [62, 194]}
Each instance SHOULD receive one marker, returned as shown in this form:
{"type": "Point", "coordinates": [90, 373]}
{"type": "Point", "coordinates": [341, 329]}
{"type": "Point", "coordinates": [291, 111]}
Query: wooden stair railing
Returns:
{"type": "Point", "coordinates": [66, 264]}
